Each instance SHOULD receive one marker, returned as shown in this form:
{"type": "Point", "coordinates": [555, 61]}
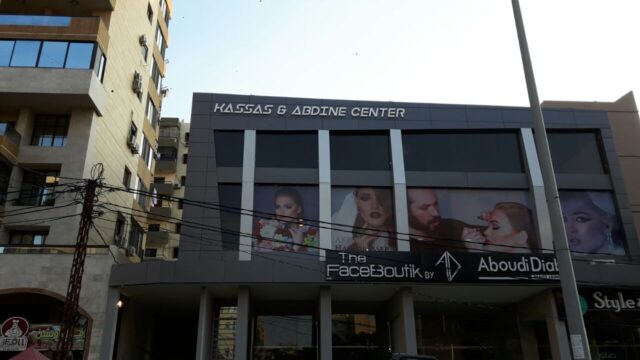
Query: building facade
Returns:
{"type": "Point", "coordinates": [80, 84]}
{"type": "Point", "coordinates": [331, 229]}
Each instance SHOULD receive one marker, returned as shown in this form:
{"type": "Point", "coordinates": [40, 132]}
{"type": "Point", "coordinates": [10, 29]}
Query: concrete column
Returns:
{"type": "Point", "coordinates": [528, 341]}
{"type": "Point", "coordinates": [243, 324]}
{"type": "Point", "coordinates": [557, 329]}
{"type": "Point", "coordinates": [326, 342]}
{"type": "Point", "coordinates": [248, 176]}
{"type": "Point", "coordinates": [537, 189]}
{"type": "Point", "coordinates": [324, 181]}
{"type": "Point", "coordinates": [400, 190]}
{"type": "Point", "coordinates": [205, 318]}
{"type": "Point", "coordinates": [110, 324]}
{"type": "Point", "coordinates": [542, 307]}
{"type": "Point", "coordinates": [401, 316]}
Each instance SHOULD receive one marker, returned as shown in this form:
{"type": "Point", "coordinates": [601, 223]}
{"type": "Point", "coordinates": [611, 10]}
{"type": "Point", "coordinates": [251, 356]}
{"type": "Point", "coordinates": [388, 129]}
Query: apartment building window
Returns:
{"type": "Point", "coordinates": [169, 132]}
{"type": "Point", "coordinates": [144, 51]}
{"type": "Point", "coordinates": [150, 253]}
{"type": "Point", "coordinates": [135, 238]}
{"type": "Point", "coordinates": [147, 152]}
{"type": "Point", "coordinates": [156, 75]}
{"type": "Point", "coordinates": [175, 252]}
{"type": "Point", "coordinates": [101, 63]}
{"type": "Point", "coordinates": [150, 13]}
{"type": "Point", "coordinates": [151, 113]}
{"type": "Point", "coordinates": [47, 54]}
{"type": "Point", "coordinates": [141, 194]}
{"type": "Point", "coordinates": [183, 180]}
{"type": "Point", "coordinates": [50, 130]}
{"type": "Point", "coordinates": [160, 42]}
{"type": "Point", "coordinates": [38, 188]}
{"type": "Point", "coordinates": [178, 228]}
{"type": "Point", "coordinates": [120, 230]}
{"type": "Point", "coordinates": [163, 9]}
{"type": "Point", "coordinates": [185, 157]}
{"type": "Point", "coordinates": [186, 139]}
{"type": "Point", "coordinates": [167, 153]}
{"type": "Point", "coordinates": [126, 178]}
{"type": "Point", "coordinates": [28, 237]}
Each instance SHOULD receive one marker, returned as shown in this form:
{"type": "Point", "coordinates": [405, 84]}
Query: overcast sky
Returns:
{"type": "Point", "coordinates": [433, 51]}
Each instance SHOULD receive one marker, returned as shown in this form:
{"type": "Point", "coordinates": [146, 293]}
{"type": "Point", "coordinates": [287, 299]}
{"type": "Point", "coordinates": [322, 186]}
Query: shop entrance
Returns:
{"type": "Point", "coordinates": [467, 332]}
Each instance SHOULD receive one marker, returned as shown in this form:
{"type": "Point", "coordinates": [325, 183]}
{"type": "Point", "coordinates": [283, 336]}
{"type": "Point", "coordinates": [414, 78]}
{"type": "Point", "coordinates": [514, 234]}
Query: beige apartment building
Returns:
{"type": "Point", "coordinates": [168, 186]}
{"type": "Point", "coordinates": [80, 84]}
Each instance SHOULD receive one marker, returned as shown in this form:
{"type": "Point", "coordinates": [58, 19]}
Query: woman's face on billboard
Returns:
{"type": "Point", "coordinates": [286, 208]}
{"type": "Point", "coordinates": [370, 208]}
{"type": "Point", "coordinates": [501, 232]}
{"type": "Point", "coordinates": [586, 228]}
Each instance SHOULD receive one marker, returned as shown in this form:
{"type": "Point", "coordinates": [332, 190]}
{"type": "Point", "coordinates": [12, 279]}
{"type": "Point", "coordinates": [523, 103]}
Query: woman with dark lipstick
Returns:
{"type": "Point", "coordinates": [509, 229]}
{"type": "Point", "coordinates": [287, 232]}
{"type": "Point", "coordinates": [371, 211]}
{"type": "Point", "coordinates": [590, 222]}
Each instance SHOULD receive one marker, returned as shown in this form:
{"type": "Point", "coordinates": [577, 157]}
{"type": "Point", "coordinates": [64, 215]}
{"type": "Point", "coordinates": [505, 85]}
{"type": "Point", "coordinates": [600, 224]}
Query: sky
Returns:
{"type": "Point", "coordinates": [431, 51]}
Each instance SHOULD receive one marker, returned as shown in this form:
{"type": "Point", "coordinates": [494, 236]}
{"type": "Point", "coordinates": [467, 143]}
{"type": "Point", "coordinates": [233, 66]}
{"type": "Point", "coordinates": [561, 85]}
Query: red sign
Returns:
{"type": "Point", "coordinates": [13, 335]}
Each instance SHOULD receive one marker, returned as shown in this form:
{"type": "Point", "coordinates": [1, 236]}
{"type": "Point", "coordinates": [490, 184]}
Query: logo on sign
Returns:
{"type": "Point", "coordinates": [14, 334]}
{"type": "Point", "coordinates": [448, 261]}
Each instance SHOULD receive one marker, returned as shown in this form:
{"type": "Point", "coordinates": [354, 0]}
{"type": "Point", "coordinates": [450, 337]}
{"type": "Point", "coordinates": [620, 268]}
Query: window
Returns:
{"type": "Point", "coordinates": [150, 253]}
{"type": "Point", "coordinates": [120, 230]}
{"type": "Point", "coordinates": [167, 153]}
{"type": "Point", "coordinates": [101, 63]}
{"type": "Point", "coordinates": [229, 147]}
{"type": "Point", "coordinates": [133, 133]}
{"type": "Point", "coordinates": [147, 152]}
{"type": "Point", "coordinates": [149, 13]}
{"type": "Point", "coordinates": [151, 113]}
{"type": "Point", "coordinates": [155, 74]}
{"type": "Point", "coordinates": [178, 228]}
{"type": "Point", "coordinates": [142, 196]}
{"type": "Point", "coordinates": [291, 334]}
{"type": "Point", "coordinates": [183, 180]}
{"type": "Point", "coordinates": [154, 227]}
{"type": "Point", "coordinates": [28, 237]}
{"type": "Point", "coordinates": [135, 238]}
{"type": "Point", "coordinates": [186, 138]}
{"type": "Point", "coordinates": [144, 51]}
{"type": "Point", "coordinates": [38, 188]}
{"type": "Point", "coordinates": [185, 158]}
{"type": "Point", "coordinates": [50, 130]}
{"type": "Point", "coordinates": [175, 252]}
{"type": "Point", "coordinates": [230, 197]}
{"type": "Point", "coordinates": [360, 151]}
{"type": "Point", "coordinates": [160, 42]}
{"type": "Point", "coordinates": [576, 153]}
{"type": "Point", "coordinates": [169, 132]}
{"type": "Point", "coordinates": [163, 9]}
{"type": "Point", "coordinates": [291, 149]}
{"type": "Point", "coordinates": [462, 152]}
{"type": "Point", "coordinates": [50, 54]}
{"type": "Point", "coordinates": [126, 178]}
{"type": "Point", "coordinates": [180, 204]}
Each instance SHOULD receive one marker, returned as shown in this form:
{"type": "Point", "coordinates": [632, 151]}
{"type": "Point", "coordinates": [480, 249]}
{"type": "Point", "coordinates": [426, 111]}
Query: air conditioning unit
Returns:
{"type": "Point", "coordinates": [164, 91]}
{"type": "Point", "coordinates": [136, 86]}
{"type": "Point", "coordinates": [131, 143]}
{"type": "Point", "coordinates": [143, 40]}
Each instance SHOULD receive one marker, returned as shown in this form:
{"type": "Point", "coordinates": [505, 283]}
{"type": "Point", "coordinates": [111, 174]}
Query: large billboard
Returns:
{"type": "Point", "coordinates": [363, 218]}
{"type": "Point", "coordinates": [460, 220]}
{"type": "Point", "coordinates": [591, 223]}
{"type": "Point", "coordinates": [286, 219]}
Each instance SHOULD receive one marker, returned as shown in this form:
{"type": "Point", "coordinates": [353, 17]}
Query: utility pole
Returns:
{"type": "Point", "coordinates": [70, 313]}
{"type": "Point", "coordinates": [577, 331]}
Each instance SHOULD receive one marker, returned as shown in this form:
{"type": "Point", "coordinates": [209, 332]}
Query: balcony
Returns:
{"type": "Point", "coordinates": [163, 213]}
{"type": "Point", "coordinates": [165, 188]}
{"type": "Point", "coordinates": [166, 165]}
{"type": "Point", "coordinates": [57, 6]}
{"type": "Point", "coordinates": [9, 142]}
{"type": "Point", "coordinates": [158, 237]}
{"type": "Point", "coordinates": [51, 89]}
{"type": "Point", "coordinates": [40, 27]}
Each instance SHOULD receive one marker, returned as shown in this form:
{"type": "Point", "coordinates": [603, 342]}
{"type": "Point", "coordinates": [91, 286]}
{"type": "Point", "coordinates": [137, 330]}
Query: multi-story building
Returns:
{"type": "Point", "coordinates": [80, 84]}
{"type": "Point", "coordinates": [168, 184]}
{"type": "Point", "coordinates": [330, 229]}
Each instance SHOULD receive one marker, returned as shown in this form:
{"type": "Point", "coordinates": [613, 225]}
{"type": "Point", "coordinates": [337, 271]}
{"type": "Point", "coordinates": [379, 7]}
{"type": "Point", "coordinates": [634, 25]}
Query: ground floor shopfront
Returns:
{"type": "Point", "coordinates": [341, 321]}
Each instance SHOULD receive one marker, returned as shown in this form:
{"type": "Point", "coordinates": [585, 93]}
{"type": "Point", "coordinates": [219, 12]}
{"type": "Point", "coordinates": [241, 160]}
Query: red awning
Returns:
{"type": "Point", "coordinates": [30, 354]}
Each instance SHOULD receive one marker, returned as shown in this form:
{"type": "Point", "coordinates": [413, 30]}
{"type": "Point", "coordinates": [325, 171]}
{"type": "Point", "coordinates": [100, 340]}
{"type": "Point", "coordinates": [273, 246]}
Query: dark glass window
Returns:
{"type": "Point", "coordinates": [28, 237]}
{"type": "Point", "coordinates": [169, 132]}
{"type": "Point", "coordinates": [175, 252]}
{"type": "Point", "coordinates": [150, 253]}
{"type": "Point", "coordinates": [186, 138]}
{"type": "Point", "coordinates": [277, 335]}
{"type": "Point", "coordinates": [230, 200]}
{"type": "Point", "coordinates": [229, 147]}
{"type": "Point", "coordinates": [360, 151]}
{"type": "Point", "coordinates": [149, 13]}
{"type": "Point", "coordinates": [183, 180]}
{"type": "Point", "coordinates": [291, 149]}
{"type": "Point", "coordinates": [167, 153]}
{"type": "Point", "coordinates": [52, 54]}
{"type": "Point", "coordinates": [101, 67]}
{"type": "Point", "coordinates": [185, 158]}
{"type": "Point", "coordinates": [79, 56]}
{"type": "Point", "coordinates": [120, 230]}
{"type": "Point", "coordinates": [25, 53]}
{"type": "Point", "coordinates": [576, 153]}
{"type": "Point", "coordinates": [50, 130]}
{"type": "Point", "coordinates": [135, 238]}
{"type": "Point", "coordinates": [6, 48]}
{"type": "Point", "coordinates": [38, 188]}
{"type": "Point", "coordinates": [464, 152]}
{"type": "Point", "coordinates": [126, 178]}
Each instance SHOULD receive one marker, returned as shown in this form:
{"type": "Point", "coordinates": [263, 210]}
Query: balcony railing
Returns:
{"type": "Point", "coordinates": [35, 20]}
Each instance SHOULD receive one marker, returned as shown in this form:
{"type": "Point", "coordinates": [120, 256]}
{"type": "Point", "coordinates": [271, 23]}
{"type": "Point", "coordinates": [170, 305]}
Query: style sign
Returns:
{"type": "Point", "coordinates": [611, 300]}
{"type": "Point", "coordinates": [441, 267]}
{"type": "Point", "coordinates": [14, 334]}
